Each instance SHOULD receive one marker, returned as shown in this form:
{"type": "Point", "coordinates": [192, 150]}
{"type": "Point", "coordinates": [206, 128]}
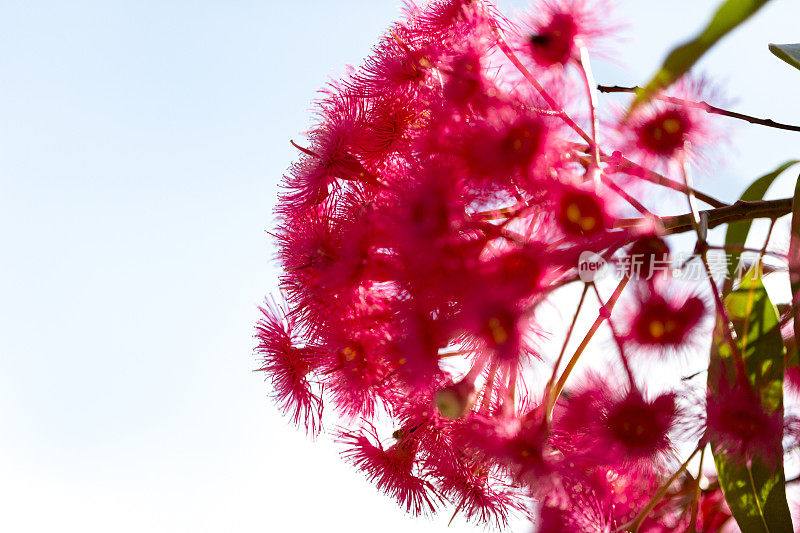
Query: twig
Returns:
{"type": "Point", "coordinates": [696, 496]}
{"type": "Point", "coordinates": [566, 342]}
{"type": "Point", "coordinates": [708, 108]}
{"type": "Point", "coordinates": [737, 212]}
{"type": "Point", "coordinates": [633, 202]}
{"type": "Point", "coordinates": [588, 77]}
{"type": "Point", "coordinates": [626, 166]}
{"type": "Point", "coordinates": [605, 312]}
{"type": "Point", "coordinates": [700, 224]}
{"type": "Point", "coordinates": [634, 525]}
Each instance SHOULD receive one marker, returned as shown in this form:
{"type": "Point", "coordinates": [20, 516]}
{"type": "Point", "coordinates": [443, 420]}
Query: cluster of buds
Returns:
{"type": "Point", "coordinates": [445, 194]}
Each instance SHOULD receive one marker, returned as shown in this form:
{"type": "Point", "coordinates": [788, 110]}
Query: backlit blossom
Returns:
{"type": "Point", "coordinates": [433, 236]}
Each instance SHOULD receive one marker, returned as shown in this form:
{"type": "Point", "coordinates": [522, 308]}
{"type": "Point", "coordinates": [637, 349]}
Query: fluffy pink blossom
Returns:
{"type": "Point", "coordinates": [445, 195]}
{"type": "Point", "coordinates": [289, 365]}
{"type": "Point", "coordinates": [392, 469]}
{"type": "Point", "coordinates": [739, 425]}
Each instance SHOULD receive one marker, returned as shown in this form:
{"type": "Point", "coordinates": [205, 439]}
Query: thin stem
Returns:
{"type": "Point", "coordinates": [692, 376]}
{"type": "Point", "coordinates": [458, 508]}
{"type": "Point", "coordinates": [751, 292]}
{"type": "Point", "coordinates": [788, 315]}
{"type": "Point", "coordinates": [690, 197]}
{"type": "Point", "coordinates": [739, 248]}
{"type": "Point", "coordinates": [627, 197]}
{"type": "Point", "coordinates": [611, 184]}
{"type": "Point", "coordinates": [766, 241]}
{"type": "Point", "coordinates": [477, 367]}
{"type": "Point", "coordinates": [511, 390]}
{"type": "Point", "coordinates": [626, 166]}
{"type": "Point", "coordinates": [620, 344]}
{"type": "Point", "coordinates": [730, 332]}
{"type": "Point", "coordinates": [588, 77]}
{"type": "Point", "coordinates": [636, 523]}
{"type": "Point", "coordinates": [696, 497]}
{"type": "Point", "coordinates": [605, 312]}
{"type": "Point", "coordinates": [566, 341]}
{"type": "Point", "coordinates": [502, 213]}
{"type": "Point", "coordinates": [443, 355]}
{"type": "Point", "coordinates": [509, 53]}
{"type": "Point", "coordinates": [696, 221]}
{"type": "Point", "coordinates": [488, 386]}
{"type": "Point", "coordinates": [304, 150]}
{"type": "Point", "coordinates": [708, 108]}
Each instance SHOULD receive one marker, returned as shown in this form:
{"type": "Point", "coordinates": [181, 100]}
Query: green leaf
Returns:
{"type": "Point", "coordinates": [794, 273]}
{"type": "Point", "coordinates": [736, 234]}
{"type": "Point", "coordinates": [788, 52]}
{"type": "Point", "coordinates": [729, 14]}
{"type": "Point", "coordinates": [756, 494]}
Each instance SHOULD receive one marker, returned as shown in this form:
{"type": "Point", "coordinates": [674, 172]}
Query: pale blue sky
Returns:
{"type": "Point", "coordinates": [140, 146]}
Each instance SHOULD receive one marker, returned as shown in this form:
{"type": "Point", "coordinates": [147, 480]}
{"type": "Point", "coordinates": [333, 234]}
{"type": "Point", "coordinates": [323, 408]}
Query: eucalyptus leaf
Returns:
{"type": "Point", "coordinates": [736, 234]}
{"type": "Point", "coordinates": [729, 14]}
{"type": "Point", "coordinates": [794, 272]}
{"type": "Point", "coordinates": [788, 52]}
{"type": "Point", "coordinates": [755, 492]}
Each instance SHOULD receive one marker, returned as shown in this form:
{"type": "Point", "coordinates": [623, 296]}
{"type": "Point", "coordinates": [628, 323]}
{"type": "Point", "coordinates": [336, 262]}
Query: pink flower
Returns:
{"type": "Point", "coordinates": [388, 124]}
{"type": "Point", "coordinates": [466, 82]}
{"type": "Point", "coordinates": [494, 321]}
{"type": "Point", "coordinates": [634, 428]}
{"type": "Point", "coordinates": [356, 369]}
{"type": "Point", "coordinates": [509, 142]}
{"type": "Point", "coordinates": [392, 469]}
{"type": "Point", "coordinates": [403, 61]}
{"type": "Point", "coordinates": [414, 350]}
{"type": "Point", "coordinates": [739, 425]}
{"type": "Point", "coordinates": [552, 34]}
{"type": "Point", "coordinates": [665, 323]}
{"type": "Point", "coordinates": [480, 492]}
{"type": "Point", "coordinates": [449, 21]}
{"type": "Point", "coordinates": [580, 213]}
{"type": "Point", "coordinates": [326, 256]}
{"type": "Point", "coordinates": [440, 209]}
{"type": "Point", "coordinates": [289, 364]}
{"type": "Point", "coordinates": [330, 159]}
{"type": "Point", "coordinates": [648, 258]}
{"type": "Point", "coordinates": [598, 500]}
{"type": "Point", "coordinates": [603, 425]}
{"type": "Point", "coordinates": [670, 126]}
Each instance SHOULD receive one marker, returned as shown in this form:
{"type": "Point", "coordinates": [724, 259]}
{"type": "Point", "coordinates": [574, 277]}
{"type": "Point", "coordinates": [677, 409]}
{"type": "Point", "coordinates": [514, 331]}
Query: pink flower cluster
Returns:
{"type": "Point", "coordinates": [445, 193]}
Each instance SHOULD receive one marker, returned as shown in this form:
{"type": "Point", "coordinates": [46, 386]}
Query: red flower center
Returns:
{"type": "Point", "coordinates": [665, 133]}
{"type": "Point", "coordinates": [522, 142]}
{"type": "Point", "coordinates": [498, 329]}
{"type": "Point", "coordinates": [352, 356]}
{"type": "Point", "coordinates": [580, 213]}
{"type": "Point", "coordinates": [518, 269]}
{"type": "Point", "coordinates": [429, 216]}
{"type": "Point", "coordinates": [640, 425]}
{"type": "Point", "coordinates": [659, 323]}
{"type": "Point", "coordinates": [743, 423]}
{"type": "Point", "coordinates": [555, 42]}
{"type": "Point", "coordinates": [648, 256]}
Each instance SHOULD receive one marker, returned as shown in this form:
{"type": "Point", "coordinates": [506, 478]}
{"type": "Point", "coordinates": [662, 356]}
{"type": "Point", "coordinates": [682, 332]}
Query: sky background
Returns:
{"type": "Point", "coordinates": [140, 148]}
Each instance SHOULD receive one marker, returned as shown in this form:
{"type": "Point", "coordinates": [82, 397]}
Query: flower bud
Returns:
{"type": "Point", "coordinates": [454, 400]}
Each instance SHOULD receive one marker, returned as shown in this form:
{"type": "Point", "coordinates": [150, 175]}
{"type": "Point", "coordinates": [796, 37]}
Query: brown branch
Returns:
{"type": "Point", "coordinates": [708, 108]}
{"type": "Point", "coordinates": [737, 212]}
